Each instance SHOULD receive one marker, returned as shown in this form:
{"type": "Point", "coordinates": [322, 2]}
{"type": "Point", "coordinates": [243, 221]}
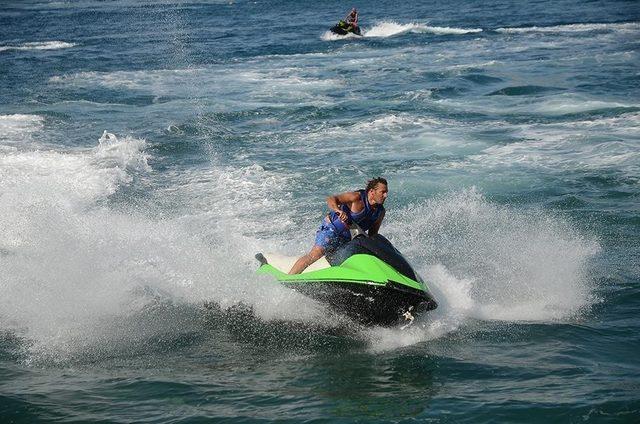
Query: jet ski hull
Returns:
{"type": "Point", "coordinates": [342, 28]}
{"type": "Point", "coordinates": [362, 286]}
{"type": "Point", "coordinates": [373, 304]}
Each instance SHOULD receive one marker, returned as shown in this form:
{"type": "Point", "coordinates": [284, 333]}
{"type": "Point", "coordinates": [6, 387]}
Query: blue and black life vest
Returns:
{"type": "Point", "coordinates": [365, 218]}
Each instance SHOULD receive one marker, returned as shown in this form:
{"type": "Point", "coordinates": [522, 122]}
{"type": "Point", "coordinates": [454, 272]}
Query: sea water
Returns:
{"type": "Point", "coordinates": [148, 149]}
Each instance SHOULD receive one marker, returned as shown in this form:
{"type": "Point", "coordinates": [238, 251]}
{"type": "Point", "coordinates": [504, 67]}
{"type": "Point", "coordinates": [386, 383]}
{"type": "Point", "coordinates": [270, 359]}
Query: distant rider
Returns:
{"type": "Point", "coordinates": [352, 18]}
{"type": "Point", "coordinates": [363, 207]}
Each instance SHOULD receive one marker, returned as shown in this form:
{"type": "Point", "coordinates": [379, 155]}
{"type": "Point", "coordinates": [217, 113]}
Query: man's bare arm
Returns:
{"type": "Point", "coordinates": [346, 198]}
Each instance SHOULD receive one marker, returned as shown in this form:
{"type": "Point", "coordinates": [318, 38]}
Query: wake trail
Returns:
{"type": "Point", "coordinates": [386, 29]}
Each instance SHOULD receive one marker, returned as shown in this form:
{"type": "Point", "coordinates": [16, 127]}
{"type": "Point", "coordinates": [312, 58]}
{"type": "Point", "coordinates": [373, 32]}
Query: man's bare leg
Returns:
{"type": "Point", "coordinates": [303, 262]}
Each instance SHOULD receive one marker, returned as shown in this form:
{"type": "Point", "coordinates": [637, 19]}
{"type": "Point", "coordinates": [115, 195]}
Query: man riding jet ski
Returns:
{"type": "Point", "coordinates": [348, 25]}
{"type": "Point", "coordinates": [361, 275]}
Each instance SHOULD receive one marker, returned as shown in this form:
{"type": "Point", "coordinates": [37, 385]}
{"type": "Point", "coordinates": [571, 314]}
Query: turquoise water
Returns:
{"type": "Point", "coordinates": [149, 149]}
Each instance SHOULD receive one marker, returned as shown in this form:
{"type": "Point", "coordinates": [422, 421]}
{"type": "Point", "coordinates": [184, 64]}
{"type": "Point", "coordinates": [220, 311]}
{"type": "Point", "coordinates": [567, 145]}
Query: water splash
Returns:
{"type": "Point", "coordinates": [18, 128]}
{"type": "Point", "coordinates": [390, 29]}
{"type": "Point", "coordinates": [127, 152]}
{"type": "Point", "coordinates": [387, 29]}
{"type": "Point", "coordinates": [82, 278]}
{"type": "Point", "coordinates": [491, 262]}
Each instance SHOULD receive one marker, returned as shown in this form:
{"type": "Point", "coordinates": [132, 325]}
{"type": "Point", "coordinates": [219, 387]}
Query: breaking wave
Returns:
{"type": "Point", "coordinates": [40, 45]}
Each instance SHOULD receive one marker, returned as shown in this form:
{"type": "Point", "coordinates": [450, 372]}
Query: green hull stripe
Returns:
{"type": "Point", "coordinates": [358, 269]}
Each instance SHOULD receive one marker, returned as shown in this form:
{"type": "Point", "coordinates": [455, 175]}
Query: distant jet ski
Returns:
{"type": "Point", "coordinates": [368, 280]}
{"type": "Point", "coordinates": [343, 28]}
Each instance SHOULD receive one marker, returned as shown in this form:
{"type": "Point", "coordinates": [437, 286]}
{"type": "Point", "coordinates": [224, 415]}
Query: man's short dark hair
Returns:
{"type": "Point", "coordinates": [371, 184]}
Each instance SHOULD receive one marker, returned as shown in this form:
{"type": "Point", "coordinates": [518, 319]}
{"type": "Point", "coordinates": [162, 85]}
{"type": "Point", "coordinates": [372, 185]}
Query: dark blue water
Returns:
{"type": "Point", "coordinates": [149, 149]}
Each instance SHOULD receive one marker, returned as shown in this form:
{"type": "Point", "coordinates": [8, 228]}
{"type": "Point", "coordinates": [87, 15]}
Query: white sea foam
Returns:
{"type": "Point", "coordinates": [448, 30]}
{"type": "Point", "coordinates": [268, 84]}
{"type": "Point", "coordinates": [490, 262]}
{"type": "Point", "coordinates": [386, 122]}
{"type": "Point", "coordinates": [72, 268]}
{"type": "Point", "coordinates": [389, 29]}
{"type": "Point", "coordinates": [627, 123]}
{"type": "Point", "coordinates": [128, 79]}
{"type": "Point", "coordinates": [285, 83]}
{"type": "Point", "coordinates": [622, 27]}
{"type": "Point", "coordinates": [41, 45]}
{"type": "Point", "coordinates": [332, 36]}
{"type": "Point", "coordinates": [18, 128]}
{"type": "Point", "coordinates": [527, 264]}
{"type": "Point", "coordinates": [127, 152]}
{"type": "Point", "coordinates": [419, 94]}
{"type": "Point", "coordinates": [77, 179]}
{"type": "Point", "coordinates": [394, 136]}
{"type": "Point", "coordinates": [549, 105]}
{"type": "Point", "coordinates": [59, 254]}
{"type": "Point", "coordinates": [80, 276]}
{"type": "Point", "coordinates": [569, 104]}
{"type": "Point", "coordinates": [464, 66]}
{"type": "Point", "coordinates": [605, 143]}
{"type": "Point", "coordinates": [407, 123]}
{"type": "Point", "coordinates": [278, 74]}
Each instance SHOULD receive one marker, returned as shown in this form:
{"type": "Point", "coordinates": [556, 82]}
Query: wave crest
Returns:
{"type": "Point", "coordinates": [40, 45]}
{"type": "Point", "coordinates": [390, 28]}
{"type": "Point", "coordinates": [632, 26]}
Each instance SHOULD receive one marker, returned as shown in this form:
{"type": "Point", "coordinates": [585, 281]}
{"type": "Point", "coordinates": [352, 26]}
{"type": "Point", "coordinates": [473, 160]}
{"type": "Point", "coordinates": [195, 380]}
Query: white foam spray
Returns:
{"type": "Point", "coordinates": [83, 277]}
{"type": "Point", "coordinates": [17, 129]}
{"type": "Point", "coordinates": [40, 45]}
{"type": "Point", "coordinates": [624, 27]}
{"type": "Point", "coordinates": [490, 262]}
{"type": "Point", "coordinates": [390, 29]}
{"type": "Point", "coordinates": [386, 29]}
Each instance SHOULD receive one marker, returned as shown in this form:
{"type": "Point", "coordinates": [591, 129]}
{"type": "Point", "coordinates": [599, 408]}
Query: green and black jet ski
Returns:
{"type": "Point", "coordinates": [368, 279]}
{"type": "Point", "coordinates": [343, 28]}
